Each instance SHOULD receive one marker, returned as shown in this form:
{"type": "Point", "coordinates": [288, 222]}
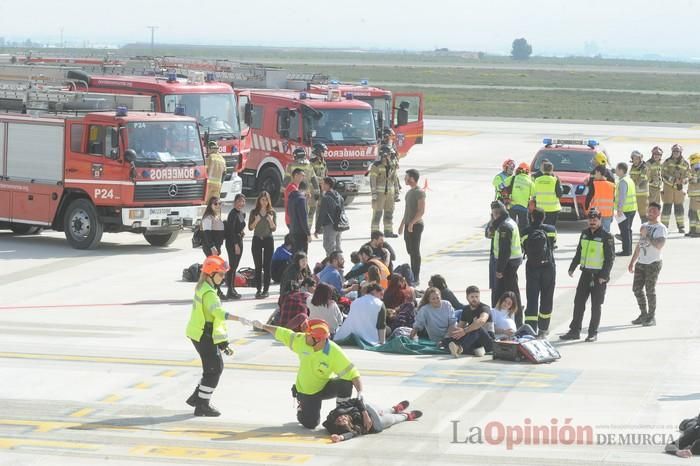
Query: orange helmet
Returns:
{"type": "Point", "coordinates": [508, 163]}
{"type": "Point", "coordinates": [318, 329]}
{"type": "Point", "coordinates": [524, 167]}
{"type": "Point", "coordinates": [214, 264]}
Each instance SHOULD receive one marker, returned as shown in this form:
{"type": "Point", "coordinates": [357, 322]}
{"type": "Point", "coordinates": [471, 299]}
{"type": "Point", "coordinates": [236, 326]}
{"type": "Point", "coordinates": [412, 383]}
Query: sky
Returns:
{"type": "Point", "coordinates": [615, 27]}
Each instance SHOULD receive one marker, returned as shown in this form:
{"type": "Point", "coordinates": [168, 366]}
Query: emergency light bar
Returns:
{"type": "Point", "coordinates": [572, 142]}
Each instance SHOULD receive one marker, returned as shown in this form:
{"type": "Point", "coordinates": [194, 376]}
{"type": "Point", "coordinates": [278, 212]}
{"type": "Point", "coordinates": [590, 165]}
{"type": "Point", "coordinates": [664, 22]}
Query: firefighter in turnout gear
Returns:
{"type": "Point", "coordinates": [500, 181]}
{"type": "Point", "coordinates": [694, 195]}
{"type": "Point", "coordinates": [654, 172]}
{"type": "Point", "coordinates": [216, 169]}
{"type": "Point", "coordinates": [595, 255]}
{"type": "Point", "coordinates": [313, 192]}
{"type": "Point", "coordinates": [639, 172]}
{"type": "Point", "coordinates": [389, 139]}
{"type": "Point", "coordinates": [207, 330]}
{"type": "Point", "coordinates": [318, 163]}
{"type": "Point", "coordinates": [674, 173]}
{"type": "Point", "coordinates": [382, 177]}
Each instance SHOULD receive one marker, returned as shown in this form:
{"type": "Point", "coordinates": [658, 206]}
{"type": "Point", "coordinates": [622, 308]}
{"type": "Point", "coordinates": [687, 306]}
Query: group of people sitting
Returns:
{"type": "Point", "coordinates": [375, 302]}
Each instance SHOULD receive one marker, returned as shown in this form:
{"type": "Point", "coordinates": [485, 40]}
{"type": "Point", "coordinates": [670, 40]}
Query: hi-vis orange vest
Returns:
{"type": "Point", "coordinates": [603, 197]}
{"type": "Point", "coordinates": [383, 272]}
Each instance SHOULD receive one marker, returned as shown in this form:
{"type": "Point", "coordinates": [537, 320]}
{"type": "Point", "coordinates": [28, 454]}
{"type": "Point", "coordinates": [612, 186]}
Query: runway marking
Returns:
{"type": "Point", "coordinates": [82, 412]}
{"type": "Point", "coordinates": [657, 140]}
{"type": "Point", "coordinates": [113, 398]}
{"type": "Point", "coordinates": [240, 342]}
{"type": "Point", "coordinates": [218, 454]}
{"type": "Point", "coordinates": [451, 132]}
{"type": "Point", "coordinates": [142, 386]}
{"type": "Point", "coordinates": [8, 443]}
{"type": "Point", "coordinates": [168, 373]}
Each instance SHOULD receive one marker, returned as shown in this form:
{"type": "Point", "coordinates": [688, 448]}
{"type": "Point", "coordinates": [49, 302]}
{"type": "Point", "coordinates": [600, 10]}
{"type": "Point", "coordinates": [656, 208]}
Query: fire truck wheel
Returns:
{"type": "Point", "coordinates": [271, 182]}
{"type": "Point", "coordinates": [348, 198]}
{"type": "Point", "coordinates": [161, 239]}
{"type": "Point", "coordinates": [21, 229]}
{"type": "Point", "coordinates": [82, 226]}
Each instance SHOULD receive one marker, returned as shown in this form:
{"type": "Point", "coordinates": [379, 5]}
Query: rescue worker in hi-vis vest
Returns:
{"type": "Point", "coordinates": [654, 171]}
{"type": "Point", "coordinates": [625, 206]}
{"type": "Point", "coordinates": [500, 182]}
{"type": "Point", "coordinates": [601, 196]}
{"type": "Point", "coordinates": [694, 195]}
{"type": "Point", "coordinates": [595, 255]}
{"type": "Point", "coordinates": [674, 174]}
{"type": "Point", "coordinates": [313, 192]}
{"type": "Point", "coordinates": [382, 177]}
{"type": "Point", "coordinates": [216, 169]}
{"type": "Point", "coordinates": [639, 172]}
{"type": "Point", "coordinates": [521, 190]}
{"type": "Point", "coordinates": [207, 330]}
{"type": "Point", "coordinates": [547, 193]}
{"type": "Point", "coordinates": [318, 163]}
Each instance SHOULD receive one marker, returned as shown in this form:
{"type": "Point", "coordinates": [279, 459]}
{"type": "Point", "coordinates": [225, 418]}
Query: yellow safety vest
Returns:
{"type": "Point", "coordinates": [603, 197]}
{"type": "Point", "coordinates": [523, 189]}
{"type": "Point", "coordinates": [592, 254]}
{"type": "Point", "coordinates": [206, 308]}
{"type": "Point", "coordinates": [516, 251]}
{"type": "Point", "coordinates": [630, 204]}
{"type": "Point", "coordinates": [545, 193]}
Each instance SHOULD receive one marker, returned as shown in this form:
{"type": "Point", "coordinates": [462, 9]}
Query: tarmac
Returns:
{"type": "Point", "coordinates": [95, 366]}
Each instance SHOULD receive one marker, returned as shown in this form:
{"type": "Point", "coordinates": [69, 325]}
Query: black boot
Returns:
{"type": "Point", "coordinates": [205, 409]}
{"type": "Point", "coordinates": [192, 400]}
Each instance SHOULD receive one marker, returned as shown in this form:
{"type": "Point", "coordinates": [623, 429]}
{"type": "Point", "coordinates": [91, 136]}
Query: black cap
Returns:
{"type": "Point", "coordinates": [498, 205]}
{"type": "Point", "coordinates": [594, 213]}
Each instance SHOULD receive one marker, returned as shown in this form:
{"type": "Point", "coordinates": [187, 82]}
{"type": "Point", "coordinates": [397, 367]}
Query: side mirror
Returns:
{"type": "Point", "coordinates": [130, 155]}
{"type": "Point", "coordinates": [248, 113]}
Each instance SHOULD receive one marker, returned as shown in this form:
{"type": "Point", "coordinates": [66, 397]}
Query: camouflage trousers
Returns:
{"type": "Point", "coordinates": [645, 277]}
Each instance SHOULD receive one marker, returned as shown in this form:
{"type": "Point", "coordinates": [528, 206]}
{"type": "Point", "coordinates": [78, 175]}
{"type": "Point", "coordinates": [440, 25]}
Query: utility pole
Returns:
{"type": "Point", "coordinates": [153, 34]}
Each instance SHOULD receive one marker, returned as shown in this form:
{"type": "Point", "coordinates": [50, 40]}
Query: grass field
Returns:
{"type": "Point", "coordinates": [555, 75]}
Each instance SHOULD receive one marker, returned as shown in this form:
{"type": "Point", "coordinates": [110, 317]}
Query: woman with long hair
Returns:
{"type": "Point", "coordinates": [503, 316]}
{"type": "Point", "coordinates": [373, 277]}
{"type": "Point", "coordinates": [235, 231]}
{"type": "Point", "coordinates": [263, 223]}
{"type": "Point", "coordinates": [322, 306]}
{"type": "Point", "coordinates": [295, 273]}
{"type": "Point", "coordinates": [435, 316]}
{"type": "Point", "coordinates": [213, 232]}
{"type": "Point", "coordinates": [355, 417]}
{"type": "Point", "coordinates": [398, 292]}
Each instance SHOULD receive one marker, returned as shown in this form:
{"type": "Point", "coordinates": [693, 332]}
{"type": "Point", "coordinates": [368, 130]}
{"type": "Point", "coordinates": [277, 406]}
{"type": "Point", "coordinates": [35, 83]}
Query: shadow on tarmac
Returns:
{"type": "Point", "coordinates": [285, 430]}
{"type": "Point", "coordinates": [132, 421]}
{"type": "Point", "coordinates": [688, 397]}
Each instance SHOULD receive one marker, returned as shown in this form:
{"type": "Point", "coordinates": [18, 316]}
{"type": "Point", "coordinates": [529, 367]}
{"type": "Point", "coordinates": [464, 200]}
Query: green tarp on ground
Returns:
{"type": "Point", "coordinates": [397, 345]}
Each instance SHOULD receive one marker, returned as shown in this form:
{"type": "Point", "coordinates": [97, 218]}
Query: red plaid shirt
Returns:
{"type": "Point", "coordinates": [291, 305]}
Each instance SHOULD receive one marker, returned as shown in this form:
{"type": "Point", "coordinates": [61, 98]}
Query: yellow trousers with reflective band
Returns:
{"type": "Point", "coordinates": [213, 189]}
{"type": "Point", "coordinates": [654, 194]}
{"type": "Point", "coordinates": [673, 200]}
{"type": "Point", "coordinates": [694, 214]}
{"type": "Point", "coordinates": [642, 205]}
{"type": "Point", "coordinates": [383, 206]}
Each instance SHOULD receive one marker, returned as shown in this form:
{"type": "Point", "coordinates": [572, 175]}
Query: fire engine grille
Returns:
{"type": "Point", "coordinates": [231, 166]}
{"type": "Point", "coordinates": [169, 192]}
{"type": "Point", "coordinates": [348, 165]}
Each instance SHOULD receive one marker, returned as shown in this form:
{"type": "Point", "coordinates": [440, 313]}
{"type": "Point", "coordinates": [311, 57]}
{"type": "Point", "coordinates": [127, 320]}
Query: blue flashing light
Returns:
{"type": "Point", "coordinates": [335, 82]}
{"type": "Point", "coordinates": [580, 189]}
{"type": "Point", "coordinates": [364, 82]}
{"type": "Point", "coordinates": [547, 141]}
{"type": "Point", "coordinates": [172, 76]}
{"type": "Point", "coordinates": [122, 111]}
{"type": "Point", "coordinates": [303, 95]}
{"type": "Point", "coordinates": [349, 96]}
{"type": "Point", "coordinates": [592, 143]}
{"type": "Point", "coordinates": [180, 110]}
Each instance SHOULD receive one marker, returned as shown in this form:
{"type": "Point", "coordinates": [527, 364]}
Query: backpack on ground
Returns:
{"type": "Point", "coordinates": [534, 351]}
{"type": "Point", "coordinates": [197, 237]}
{"type": "Point", "coordinates": [191, 273]}
{"type": "Point", "coordinates": [537, 249]}
{"type": "Point", "coordinates": [405, 271]}
{"type": "Point", "coordinates": [245, 277]}
{"type": "Point", "coordinates": [340, 218]}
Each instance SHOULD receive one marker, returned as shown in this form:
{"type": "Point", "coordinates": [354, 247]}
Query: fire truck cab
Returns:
{"type": "Point", "coordinates": [101, 172]}
{"type": "Point", "coordinates": [403, 112]}
{"type": "Point", "coordinates": [280, 121]}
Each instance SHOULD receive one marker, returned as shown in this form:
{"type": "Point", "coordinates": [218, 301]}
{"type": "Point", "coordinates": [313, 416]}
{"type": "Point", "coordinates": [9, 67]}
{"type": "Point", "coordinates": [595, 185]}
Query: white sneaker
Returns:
{"type": "Point", "coordinates": [455, 349]}
{"type": "Point", "coordinates": [479, 352]}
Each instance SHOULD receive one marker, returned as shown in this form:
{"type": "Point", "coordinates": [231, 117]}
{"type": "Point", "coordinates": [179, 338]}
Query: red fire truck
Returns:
{"type": "Point", "coordinates": [101, 172]}
{"type": "Point", "coordinates": [402, 112]}
{"type": "Point", "coordinates": [282, 120]}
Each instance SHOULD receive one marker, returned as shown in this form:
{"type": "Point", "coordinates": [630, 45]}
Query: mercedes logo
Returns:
{"type": "Point", "coordinates": [344, 165]}
{"type": "Point", "coordinates": [172, 190]}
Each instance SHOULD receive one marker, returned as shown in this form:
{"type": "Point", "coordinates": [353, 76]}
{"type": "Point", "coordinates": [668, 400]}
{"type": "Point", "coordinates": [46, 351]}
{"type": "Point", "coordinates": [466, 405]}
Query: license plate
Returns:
{"type": "Point", "coordinates": [566, 210]}
{"type": "Point", "coordinates": [162, 211]}
{"type": "Point", "coordinates": [358, 179]}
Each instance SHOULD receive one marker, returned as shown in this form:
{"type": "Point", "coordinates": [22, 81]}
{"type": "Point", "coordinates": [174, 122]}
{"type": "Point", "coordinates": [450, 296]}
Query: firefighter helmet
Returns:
{"type": "Point", "coordinates": [508, 163]}
{"type": "Point", "coordinates": [384, 149]}
{"type": "Point", "coordinates": [388, 132]}
{"type": "Point", "coordinates": [213, 145]}
{"type": "Point", "coordinates": [657, 150]}
{"type": "Point", "coordinates": [318, 329]}
{"type": "Point", "coordinates": [319, 148]}
{"type": "Point", "coordinates": [600, 158]}
{"type": "Point", "coordinates": [524, 167]}
{"type": "Point", "coordinates": [695, 158]}
{"type": "Point", "coordinates": [214, 264]}
{"type": "Point", "coordinates": [637, 154]}
{"type": "Point", "coordinates": [299, 153]}
{"type": "Point", "coordinates": [676, 148]}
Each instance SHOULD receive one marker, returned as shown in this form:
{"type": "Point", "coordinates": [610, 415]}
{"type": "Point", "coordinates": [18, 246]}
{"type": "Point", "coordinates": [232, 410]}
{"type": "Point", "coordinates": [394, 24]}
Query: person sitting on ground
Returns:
{"type": "Point", "coordinates": [438, 281]}
{"type": "Point", "coordinates": [372, 278]}
{"type": "Point", "coordinates": [295, 273]}
{"type": "Point", "coordinates": [398, 292]}
{"type": "Point", "coordinates": [355, 417]}
{"type": "Point", "coordinates": [382, 249]}
{"type": "Point", "coordinates": [504, 319]}
{"type": "Point", "coordinates": [366, 319]}
{"type": "Point", "coordinates": [321, 306]}
{"type": "Point", "coordinates": [332, 274]}
{"type": "Point", "coordinates": [281, 259]}
{"type": "Point", "coordinates": [435, 316]}
{"type": "Point", "coordinates": [293, 304]}
{"type": "Point", "coordinates": [474, 331]}
{"type": "Point", "coordinates": [368, 259]}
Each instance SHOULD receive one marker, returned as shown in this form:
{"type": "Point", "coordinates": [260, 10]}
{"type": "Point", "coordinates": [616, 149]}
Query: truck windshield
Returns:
{"type": "Point", "coordinates": [566, 160]}
{"type": "Point", "coordinates": [343, 126]}
{"type": "Point", "coordinates": [164, 142]}
{"type": "Point", "coordinates": [215, 112]}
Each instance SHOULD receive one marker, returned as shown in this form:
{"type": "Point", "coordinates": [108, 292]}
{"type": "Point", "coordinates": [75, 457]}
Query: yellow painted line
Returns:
{"type": "Point", "coordinates": [113, 398]}
{"type": "Point", "coordinates": [506, 374]}
{"type": "Point", "coordinates": [168, 373]}
{"type": "Point", "coordinates": [39, 426]}
{"type": "Point", "coordinates": [240, 342]}
{"type": "Point", "coordinates": [451, 132]}
{"type": "Point", "coordinates": [231, 435]}
{"type": "Point", "coordinates": [171, 362]}
{"type": "Point", "coordinates": [217, 454]}
{"type": "Point", "coordinates": [8, 443]}
{"type": "Point", "coordinates": [142, 386]}
{"type": "Point", "coordinates": [655, 140]}
{"type": "Point", "coordinates": [82, 412]}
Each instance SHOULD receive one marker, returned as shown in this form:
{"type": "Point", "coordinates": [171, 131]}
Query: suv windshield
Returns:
{"type": "Point", "coordinates": [341, 126]}
{"type": "Point", "coordinates": [215, 112]}
{"type": "Point", "coordinates": [567, 160]}
{"type": "Point", "coordinates": [163, 142]}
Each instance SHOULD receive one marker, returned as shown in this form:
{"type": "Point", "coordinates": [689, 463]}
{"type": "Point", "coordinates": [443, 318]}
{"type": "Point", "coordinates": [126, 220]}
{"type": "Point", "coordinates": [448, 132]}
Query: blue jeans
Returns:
{"type": "Point", "coordinates": [520, 215]}
{"type": "Point", "coordinates": [607, 222]}
{"type": "Point", "coordinates": [472, 340]}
